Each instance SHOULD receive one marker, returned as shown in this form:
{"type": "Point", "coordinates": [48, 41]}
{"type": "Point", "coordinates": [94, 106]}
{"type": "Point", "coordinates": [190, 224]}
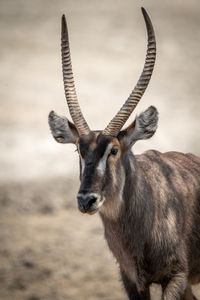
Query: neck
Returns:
{"type": "Point", "coordinates": [131, 205]}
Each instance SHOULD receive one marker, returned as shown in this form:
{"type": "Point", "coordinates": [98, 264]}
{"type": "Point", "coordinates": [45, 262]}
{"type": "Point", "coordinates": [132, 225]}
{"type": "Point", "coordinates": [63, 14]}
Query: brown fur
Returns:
{"type": "Point", "coordinates": [149, 205]}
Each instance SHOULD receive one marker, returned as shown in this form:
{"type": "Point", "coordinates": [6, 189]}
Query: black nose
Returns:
{"type": "Point", "coordinates": [86, 201]}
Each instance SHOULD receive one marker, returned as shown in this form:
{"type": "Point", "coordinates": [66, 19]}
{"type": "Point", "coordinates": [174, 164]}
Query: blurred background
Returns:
{"type": "Point", "coordinates": [48, 250]}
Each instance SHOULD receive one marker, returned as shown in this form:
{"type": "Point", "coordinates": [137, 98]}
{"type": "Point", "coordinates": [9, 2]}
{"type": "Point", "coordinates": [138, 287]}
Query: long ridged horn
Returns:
{"type": "Point", "coordinates": [121, 117]}
{"type": "Point", "coordinates": [69, 86]}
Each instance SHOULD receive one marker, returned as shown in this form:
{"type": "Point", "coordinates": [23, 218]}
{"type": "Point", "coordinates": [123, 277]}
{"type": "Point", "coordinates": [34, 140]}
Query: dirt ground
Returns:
{"type": "Point", "coordinates": [48, 250]}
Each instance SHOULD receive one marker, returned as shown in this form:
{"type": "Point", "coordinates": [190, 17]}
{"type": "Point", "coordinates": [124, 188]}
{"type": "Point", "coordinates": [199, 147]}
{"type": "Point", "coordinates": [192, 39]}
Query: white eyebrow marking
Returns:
{"type": "Point", "coordinates": [82, 160]}
{"type": "Point", "coordinates": [101, 167]}
{"type": "Point", "coordinates": [82, 165]}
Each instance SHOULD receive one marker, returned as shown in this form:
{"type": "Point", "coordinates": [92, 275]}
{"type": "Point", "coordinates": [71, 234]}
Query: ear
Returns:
{"type": "Point", "coordinates": [62, 130]}
{"type": "Point", "coordinates": [143, 127]}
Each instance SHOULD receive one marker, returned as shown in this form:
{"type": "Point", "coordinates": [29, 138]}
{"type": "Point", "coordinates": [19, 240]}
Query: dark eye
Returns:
{"type": "Point", "coordinates": [114, 151]}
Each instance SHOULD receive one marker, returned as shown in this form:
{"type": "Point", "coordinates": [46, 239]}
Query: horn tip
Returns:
{"type": "Point", "coordinates": [64, 25]}
{"type": "Point", "coordinates": [143, 9]}
{"type": "Point", "coordinates": [144, 12]}
{"type": "Point", "coordinates": [63, 18]}
{"type": "Point", "coordinates": [149, 25]}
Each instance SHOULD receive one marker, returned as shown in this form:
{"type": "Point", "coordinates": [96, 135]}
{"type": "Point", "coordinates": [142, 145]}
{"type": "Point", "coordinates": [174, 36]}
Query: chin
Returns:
{"type": "Point", "coordinates": [92, 212]}
{"type": "Point", "coordinates": [93, 209]}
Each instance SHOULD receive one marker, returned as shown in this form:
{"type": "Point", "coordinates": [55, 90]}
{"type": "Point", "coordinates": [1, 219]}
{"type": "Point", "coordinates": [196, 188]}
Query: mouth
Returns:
{"type": "Point", "coordinates": [93, 209]}
{"type": "Point", "coordinates": [90, 211]}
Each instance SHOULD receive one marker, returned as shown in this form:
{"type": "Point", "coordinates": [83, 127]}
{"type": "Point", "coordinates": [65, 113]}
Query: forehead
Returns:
{"type": "Point", "coordinates": [95, 142]}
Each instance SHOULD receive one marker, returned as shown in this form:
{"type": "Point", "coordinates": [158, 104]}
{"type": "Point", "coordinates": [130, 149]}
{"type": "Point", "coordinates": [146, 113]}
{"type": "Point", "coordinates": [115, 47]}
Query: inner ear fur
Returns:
{"type": "Point", "coordinates": [62, 129]}
{"type": "Point", "coordinates": [143, 127]}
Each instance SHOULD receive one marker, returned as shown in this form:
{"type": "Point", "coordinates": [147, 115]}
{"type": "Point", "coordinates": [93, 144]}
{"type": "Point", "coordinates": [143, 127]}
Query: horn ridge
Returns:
{"type": "Point", "coordinates": [69, 86]}
{"type": "Point", "coordinates": [123, 114]}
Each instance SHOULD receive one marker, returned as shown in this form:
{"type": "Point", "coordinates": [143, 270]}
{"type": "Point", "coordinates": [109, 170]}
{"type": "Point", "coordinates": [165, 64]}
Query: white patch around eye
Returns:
{"type": "Point", "coordinates": [102, 163]}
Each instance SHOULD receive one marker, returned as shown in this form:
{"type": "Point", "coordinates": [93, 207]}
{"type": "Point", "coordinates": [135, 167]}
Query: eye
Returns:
{"type": "Point", "coordinates": [114, 151]}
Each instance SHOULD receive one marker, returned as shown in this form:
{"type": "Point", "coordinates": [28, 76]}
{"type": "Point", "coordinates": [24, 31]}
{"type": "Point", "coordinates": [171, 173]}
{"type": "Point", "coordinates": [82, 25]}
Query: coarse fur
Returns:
{"type": "Point", "coordinates": [149, 205]}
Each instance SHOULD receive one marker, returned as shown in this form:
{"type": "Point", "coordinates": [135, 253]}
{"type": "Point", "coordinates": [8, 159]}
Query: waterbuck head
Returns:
{"type": "Point", "coordinates": [102, 152]}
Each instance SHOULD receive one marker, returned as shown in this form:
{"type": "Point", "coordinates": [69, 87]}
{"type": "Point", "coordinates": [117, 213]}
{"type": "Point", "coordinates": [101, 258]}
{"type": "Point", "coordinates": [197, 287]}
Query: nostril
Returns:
{"type": "Point", "coordinates": [91, 199]}
{"type": "Point", "coordinates": [80, 199]}
{"type": "Point", "coordinates": [86, 201]}
{"type": "Point", "coordinates": [81, 206]}
{"type": "Point", "coordinates": [81, 203]}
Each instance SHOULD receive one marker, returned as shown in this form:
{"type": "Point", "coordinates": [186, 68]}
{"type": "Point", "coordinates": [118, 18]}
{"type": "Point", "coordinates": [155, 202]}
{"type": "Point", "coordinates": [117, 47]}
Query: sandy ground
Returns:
{"type": "Point", "coordinates": [48, 250]}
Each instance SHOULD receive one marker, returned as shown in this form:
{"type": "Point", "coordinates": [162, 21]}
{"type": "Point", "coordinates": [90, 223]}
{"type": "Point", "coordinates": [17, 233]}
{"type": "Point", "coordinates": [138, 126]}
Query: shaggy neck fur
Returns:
{"type": "Point", "coordinates": [134, 210]}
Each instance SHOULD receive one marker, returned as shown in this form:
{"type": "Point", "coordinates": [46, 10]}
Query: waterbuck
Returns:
{"type": "Point", "coordinates": [149, 203]}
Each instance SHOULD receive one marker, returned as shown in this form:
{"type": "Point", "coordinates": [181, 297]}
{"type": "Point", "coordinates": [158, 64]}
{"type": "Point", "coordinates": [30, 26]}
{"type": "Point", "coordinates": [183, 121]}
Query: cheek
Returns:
{"type": "Point", "coordinates": [113, 171]}
{"type": "Point", "coordinates": [110, 176]}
